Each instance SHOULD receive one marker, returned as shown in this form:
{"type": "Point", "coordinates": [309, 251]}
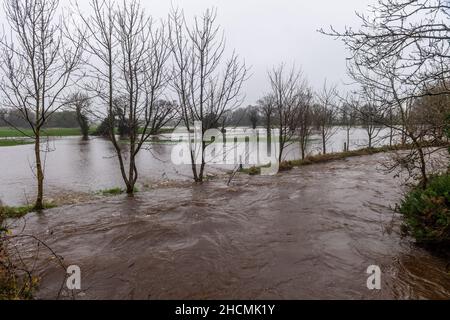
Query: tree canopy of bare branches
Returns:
{"type": "Point", "coordinates": [128, 62]}
{"type": "Point", "coordinates": [289, 89]}
{"type": "Point", "coordinates": [205, 92]}
{"type": "Point", "coordinates": [400, 53]}
{"type": "Point", "coordinates": [325, 111]}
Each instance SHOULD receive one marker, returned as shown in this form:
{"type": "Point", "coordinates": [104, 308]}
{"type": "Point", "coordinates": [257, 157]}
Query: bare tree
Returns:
{"type": "Point", "coordinates": [204, 94]}
{"type": "Point", "coordinates": [305, 119]}
{"type": "Point", "coordinates": [267, 107]}
{"type": "Point", "coordinates": [370, 120]}
{"type": "Point", "coordinates": [414, 34]}
{"type": "Point", "coordinates": [325, 113]}
{"type": "Point", "coordinates": [130, 78]}
{"type": "Point", "coordinates": [38, 64]}
{"type": "Point", "coordinates": [102, 47]}
{"type": "Point", "coordinates": [288, 89]}
{"type": "Point", "coordinates": [400, 52]}
{"type": "Point", "coordinates": [348, 113]}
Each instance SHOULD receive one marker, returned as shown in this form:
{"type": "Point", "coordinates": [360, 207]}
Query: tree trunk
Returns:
{"type": "Point", "coordinates": [131, 175]}
{"type": "Point", "coordinates": [348, 140]}
{"type": "Point", "coordinates": [39, 205]}
{"type": "Point", "coordinates": [269, 137]}
{"type": "Point", "coordinates": [193, 163]}
{"type": "Point", "coordinates": [391, 133]}
{"type": "Point", "coordinates": [391, 138]}
{"type": "Point", "coordinates": [130, 189]}
{"type": "Point", "coordinates": [303, 147]}
{"type": "Point", "coordinates": [423, 165]}
{"type": "Point", "coordinates": [201, 175]}
{"type": "Point", "coordinates": [132, 168]}
{"type": "Point", "coordinates": [324, 142]}
{"type": "Point", "coordinates": [280, 156]}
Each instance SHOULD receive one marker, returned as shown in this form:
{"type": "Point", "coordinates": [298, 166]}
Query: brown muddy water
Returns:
{"type": "Point", "coordinates": [306, 234]}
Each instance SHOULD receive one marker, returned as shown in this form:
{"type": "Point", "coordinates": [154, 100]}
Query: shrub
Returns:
{"type": "Point", "coordinates": [254, 171]}
{"type": "Point", "coordinates": [286, 166]}
{"type": "Point", "coordinates": [427, 212]}
{"type": "Point", "coordinates": [15, 282]}
{"type": "Point", "coordinates": [19, 212]}
{"type": "Point", "coordinates": [103, 129]}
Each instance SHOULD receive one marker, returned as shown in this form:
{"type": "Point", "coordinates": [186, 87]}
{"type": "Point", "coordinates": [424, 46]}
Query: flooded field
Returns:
{"type": "Point", "coordinates": [74, 165]}
{"type": "Point", "coordinates": [307, 234]}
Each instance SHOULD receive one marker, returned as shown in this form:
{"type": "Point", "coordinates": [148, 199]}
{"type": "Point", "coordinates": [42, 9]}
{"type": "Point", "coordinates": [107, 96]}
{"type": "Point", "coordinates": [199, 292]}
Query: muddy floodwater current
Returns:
{"type": "Point", "coordinates": [306, 234]}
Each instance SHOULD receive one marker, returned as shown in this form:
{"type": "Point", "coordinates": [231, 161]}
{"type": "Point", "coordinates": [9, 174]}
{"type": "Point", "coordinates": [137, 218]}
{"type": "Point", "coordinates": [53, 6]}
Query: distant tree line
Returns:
{"type": "Point", "coordinates": [62, 119]}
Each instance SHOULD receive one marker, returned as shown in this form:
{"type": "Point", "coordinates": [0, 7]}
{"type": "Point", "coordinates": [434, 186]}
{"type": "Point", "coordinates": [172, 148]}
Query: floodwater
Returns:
{"type": "Point", "coordinates": [306, 234]}
{"type": "Point", "coordinates": [74, 165]}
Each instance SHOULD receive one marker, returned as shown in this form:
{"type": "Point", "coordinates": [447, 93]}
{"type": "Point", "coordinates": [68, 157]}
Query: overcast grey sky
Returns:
{"type": "Point", "coordinates": [268, 32]}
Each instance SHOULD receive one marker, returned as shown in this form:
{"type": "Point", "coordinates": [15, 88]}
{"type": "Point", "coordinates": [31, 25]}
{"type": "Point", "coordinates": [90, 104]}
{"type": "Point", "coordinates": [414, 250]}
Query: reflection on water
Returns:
{"type": "Point", "coordinates": [307, 234]}
{"type": "Point", "coordinates": [76, 165]}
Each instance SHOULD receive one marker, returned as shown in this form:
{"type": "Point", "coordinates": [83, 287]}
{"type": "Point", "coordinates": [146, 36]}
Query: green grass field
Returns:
{"type": "Point", "coordinates": [6, 133]}
{"type": "Point", "coordinates": [51, 132]}
{"type": "Point", "coordinates": [14, 142]}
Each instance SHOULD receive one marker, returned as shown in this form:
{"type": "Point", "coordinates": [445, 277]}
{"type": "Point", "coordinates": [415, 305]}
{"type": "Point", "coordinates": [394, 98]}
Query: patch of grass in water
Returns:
{"type": "Point", "coordinates": [112, 192]}
{"type": "Point", "coordinates": [47, 132]}
{"type": "Point", "coordinates": [115, 191]}
{"type": "Point", "coordinates": [19, 212]}
{"type": "Point", "coordinates": [14, 143]}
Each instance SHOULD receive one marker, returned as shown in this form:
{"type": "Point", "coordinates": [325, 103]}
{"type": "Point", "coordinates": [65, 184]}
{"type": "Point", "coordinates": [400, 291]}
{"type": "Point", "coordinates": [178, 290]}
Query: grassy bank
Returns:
{"type": "Point", "coordinates": [50, 132]}
{"type": "Point", "coordinates": [14, 142]}
{"type": "Point", "coordinates": [19, 212]}
{"type": "Point", "coordinates": [6, 132]}
{"type": "Point", "coordinates": [310, 160]}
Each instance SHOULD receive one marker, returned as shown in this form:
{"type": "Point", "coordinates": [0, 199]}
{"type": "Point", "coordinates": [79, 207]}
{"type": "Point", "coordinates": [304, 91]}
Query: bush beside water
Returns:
{"type": "Point", "coordinates": [427, 212]}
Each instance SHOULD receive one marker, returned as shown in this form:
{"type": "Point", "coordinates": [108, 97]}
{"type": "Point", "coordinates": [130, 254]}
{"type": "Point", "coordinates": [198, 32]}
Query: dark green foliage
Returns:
{"type": "Point", "coordinates": [103, 129]}
{"type": "Point", "coordinates": [254, 171]}
{"type": "Point", "coordinates": [14, 142]}
{"type": "Point", "coordinates": [60, 119]}
{"type": "Point", "coordinates": [427, 212]}
{"type": "Point", "coordinates": [112, 192]}
{"type": "Point", "coordinates": [286, 166]}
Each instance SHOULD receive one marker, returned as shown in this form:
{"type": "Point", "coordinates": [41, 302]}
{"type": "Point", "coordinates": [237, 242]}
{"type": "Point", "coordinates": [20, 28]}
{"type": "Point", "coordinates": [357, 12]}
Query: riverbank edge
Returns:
{"type": "Point", "coordinates": [330, 157]}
